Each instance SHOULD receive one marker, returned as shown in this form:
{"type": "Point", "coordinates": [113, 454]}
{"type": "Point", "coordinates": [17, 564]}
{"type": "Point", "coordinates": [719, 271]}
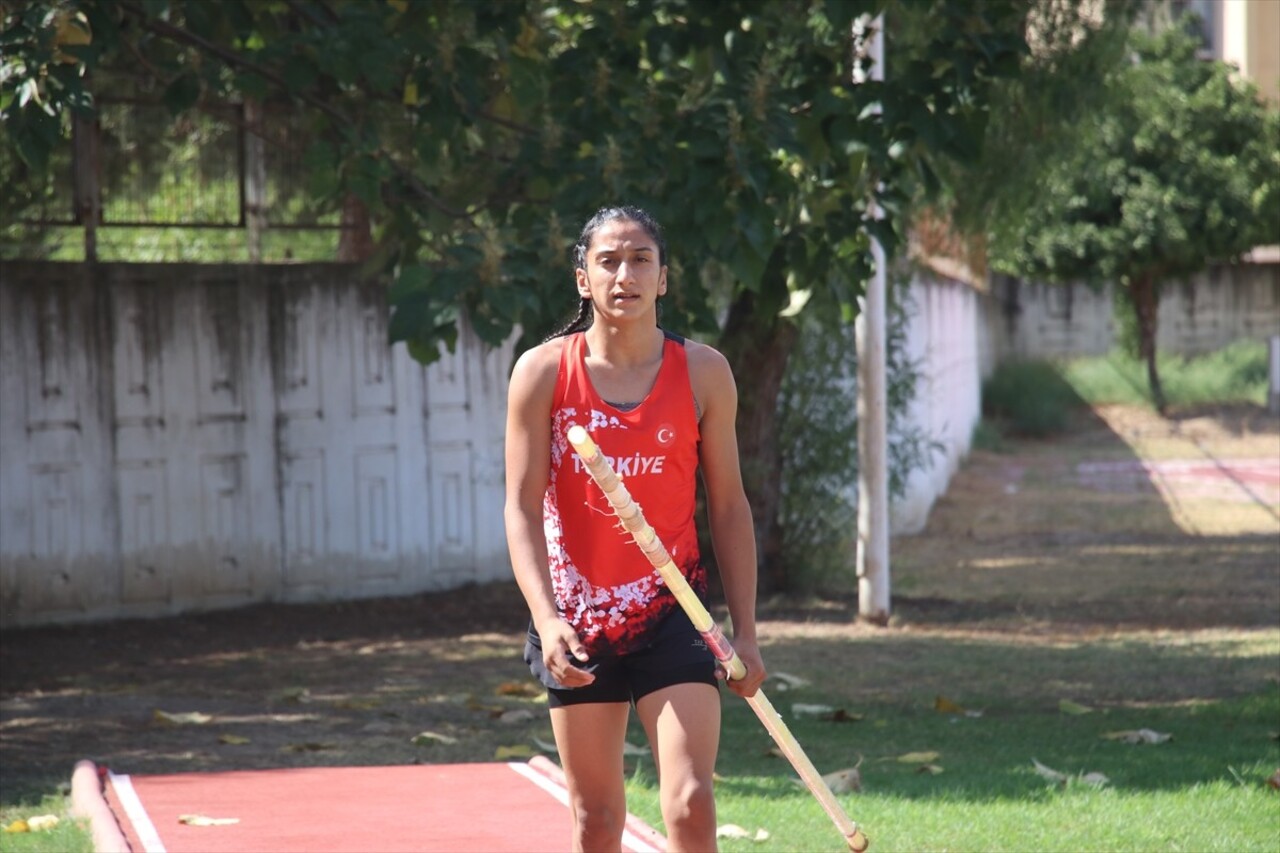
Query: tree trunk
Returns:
{"type": "Point", "coordinates": [1146, 303]}
{"type": "Point", "coordinates": [355, 243]}
{"type": "Point", "coordinates": [758, 344]}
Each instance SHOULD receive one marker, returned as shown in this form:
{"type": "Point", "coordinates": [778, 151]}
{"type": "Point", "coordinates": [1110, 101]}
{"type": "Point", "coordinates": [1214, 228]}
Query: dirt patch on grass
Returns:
{"type": "Point", "coordinates": [1030, 580]}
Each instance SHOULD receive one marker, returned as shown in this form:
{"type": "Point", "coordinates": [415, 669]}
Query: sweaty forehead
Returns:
{"type": "Point", "coordinates": [622, 236]}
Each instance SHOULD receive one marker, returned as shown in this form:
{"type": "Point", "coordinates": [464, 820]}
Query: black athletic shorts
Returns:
{"type": "Point", "coordinates": [676, 655]}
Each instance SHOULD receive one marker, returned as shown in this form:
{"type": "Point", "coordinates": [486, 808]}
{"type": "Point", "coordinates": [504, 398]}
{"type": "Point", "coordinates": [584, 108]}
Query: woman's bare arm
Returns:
{"type": "Point", "coordinates": [728, 512]}
{"type": "Point", "coordinates": [528, 467]}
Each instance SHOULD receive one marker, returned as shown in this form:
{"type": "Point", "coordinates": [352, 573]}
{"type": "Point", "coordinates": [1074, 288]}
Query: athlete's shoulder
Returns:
{"type": "Point", "coordinates": [706, 361]}
{"type": "Point", "coordinates": [537, 366]}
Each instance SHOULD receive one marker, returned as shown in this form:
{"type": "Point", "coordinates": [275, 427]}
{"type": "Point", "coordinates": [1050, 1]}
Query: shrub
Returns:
{"type": "Point", "coordinates": [1030, 397]}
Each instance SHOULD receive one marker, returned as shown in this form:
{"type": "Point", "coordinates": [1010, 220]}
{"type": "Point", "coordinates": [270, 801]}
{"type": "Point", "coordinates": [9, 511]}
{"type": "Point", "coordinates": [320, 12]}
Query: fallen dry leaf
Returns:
{"type": "Point", "coordinates": [1274, 781]}
{"type": "Point", "coordinates": [783, 681]}
{"type": "Point", "coordinates": [1050, 774]}
{"type": "Point", "coordinates": [846, 781]}
{"type": "Point", "coordinates": [519, 715]}
{"type": "Point", "coordinates": [919, 757]}
{"type": "Point", "coordinates": [931, 769]}
{"type": "Point", "coordinates": [519, 750]}
{"type": "Point", "coordinates": [233, 740]}
{"type": "Point", "coordinates": [301, 695]}
{"type": "Point", "coordinates": [1094, 779]}
{"type": "Point", "coordinates": [204, 820]}
{"type": "Point", "coordinates": [943, 705]}
{"type": "Point", "coordinates": [1138, 736]}
{"type": "Point", "coordinates": [825, 712]}
{"type": "Point", "coordinates": [429, 738]}
{"type": "Point", "coordinates": [191, 718]}
{"type": "Point", "coordinates": [732, 830]}
{"type": "Point", "coordinates": [36, 823]}
{"type": "Point", "coordinates": [528, 689]}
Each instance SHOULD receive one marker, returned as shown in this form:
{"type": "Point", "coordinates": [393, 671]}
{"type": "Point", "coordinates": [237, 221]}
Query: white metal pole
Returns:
{"type": "Point", "coordinates": [873, 451]}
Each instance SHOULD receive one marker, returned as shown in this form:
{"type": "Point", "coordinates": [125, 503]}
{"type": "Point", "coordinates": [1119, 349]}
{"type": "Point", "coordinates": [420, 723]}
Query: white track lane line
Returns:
{"type": "Point", "coordinates": [632, 841]}
{"type": "Point", "coordinates": [136, 813]}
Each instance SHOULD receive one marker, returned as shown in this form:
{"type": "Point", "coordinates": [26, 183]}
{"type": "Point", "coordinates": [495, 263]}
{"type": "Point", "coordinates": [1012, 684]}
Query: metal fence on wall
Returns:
{"type": "Point", "coordinates": [135, 183]}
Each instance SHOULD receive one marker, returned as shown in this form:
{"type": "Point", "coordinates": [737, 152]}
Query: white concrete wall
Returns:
{"type": "Point", "coordinates": [945, 339]}
{"type": "Point", "coordinates": [1216, 308]}
{"type": "Point", "coordinates": [178, 437]}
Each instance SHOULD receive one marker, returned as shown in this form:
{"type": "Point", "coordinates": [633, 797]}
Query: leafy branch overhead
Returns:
{"type": "Point", "coordinates": [478, 135]}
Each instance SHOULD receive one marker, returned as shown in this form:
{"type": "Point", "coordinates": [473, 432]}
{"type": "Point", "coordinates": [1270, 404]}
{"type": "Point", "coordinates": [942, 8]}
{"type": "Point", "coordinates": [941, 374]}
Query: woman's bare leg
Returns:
{"type": "Point", "coordinates": [683, 724]}
{"type": "Point", "coordinates": [589, 738]}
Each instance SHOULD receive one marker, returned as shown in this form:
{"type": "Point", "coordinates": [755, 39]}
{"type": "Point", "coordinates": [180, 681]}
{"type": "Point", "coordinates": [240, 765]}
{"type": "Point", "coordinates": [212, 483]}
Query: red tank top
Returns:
{"type": "Point", "coordinates": [604, 585]}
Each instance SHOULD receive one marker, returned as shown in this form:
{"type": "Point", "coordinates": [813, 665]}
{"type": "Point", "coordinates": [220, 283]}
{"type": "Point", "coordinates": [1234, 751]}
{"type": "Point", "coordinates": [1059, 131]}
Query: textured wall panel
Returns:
{"type": "Point", "coordinates": [219, 352]}
{"type": "Point", "coordinates": [377, 524]}
{"type": "Point", "coordinates": [225, 531]}
{"type": "Point", "coordinates": [145, 532]}
{"type": "Point", "coordinates": [305, 516]}
{"type": "Point", "coordinates": [139, 382]}
{"type": "Point", "coordinates": [303, 391]}
{"type": "Point", "coordinates": [373, 381]}
{"type": "Point", "coordinates": [57, 533]}
{"type": "Point", "coordinates": [190, 436]}
{"type": "Point", "coordinates": [452, 512]}
{"type": "Point", "coordinates": [51, 398]}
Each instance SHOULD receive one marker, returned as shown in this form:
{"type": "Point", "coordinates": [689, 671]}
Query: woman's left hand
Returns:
{"type": "Point", "coordinates": [749, 652]}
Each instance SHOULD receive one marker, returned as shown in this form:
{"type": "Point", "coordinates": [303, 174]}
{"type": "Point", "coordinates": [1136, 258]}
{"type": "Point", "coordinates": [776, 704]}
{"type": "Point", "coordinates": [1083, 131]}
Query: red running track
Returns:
{"type": "Point", "coordinates": [442, 807]}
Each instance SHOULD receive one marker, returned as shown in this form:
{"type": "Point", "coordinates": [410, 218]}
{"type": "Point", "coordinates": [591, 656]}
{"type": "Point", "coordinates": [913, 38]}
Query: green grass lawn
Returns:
{"type": "Point", "coordinates": [69, 836]}
{"type": "Point", "coordinates": [1036, 397]}
{"type": "Point", "coordinates": [1236, 373]}
{"type": "Point", "coordinates": [1205, 789]}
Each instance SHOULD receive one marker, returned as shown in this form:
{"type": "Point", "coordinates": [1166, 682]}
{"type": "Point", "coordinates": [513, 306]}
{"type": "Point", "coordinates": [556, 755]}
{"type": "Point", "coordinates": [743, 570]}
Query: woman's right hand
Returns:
{"type": "Point", "coordinates": [562, 650]}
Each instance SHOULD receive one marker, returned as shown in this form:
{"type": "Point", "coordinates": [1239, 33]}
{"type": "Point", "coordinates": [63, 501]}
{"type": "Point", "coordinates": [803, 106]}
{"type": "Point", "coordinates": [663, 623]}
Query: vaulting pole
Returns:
{"type": "Point", "coordinates": [628, 511]}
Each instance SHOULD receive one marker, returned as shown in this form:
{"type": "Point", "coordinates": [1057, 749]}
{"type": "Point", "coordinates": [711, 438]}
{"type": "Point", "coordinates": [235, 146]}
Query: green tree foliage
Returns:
{"type": "Point", "coordinates": [1037, 117]}
{"type": "Point", "coordinates": [1178, 169]}
{"type": "Point", "coordinates": [479, 134]}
